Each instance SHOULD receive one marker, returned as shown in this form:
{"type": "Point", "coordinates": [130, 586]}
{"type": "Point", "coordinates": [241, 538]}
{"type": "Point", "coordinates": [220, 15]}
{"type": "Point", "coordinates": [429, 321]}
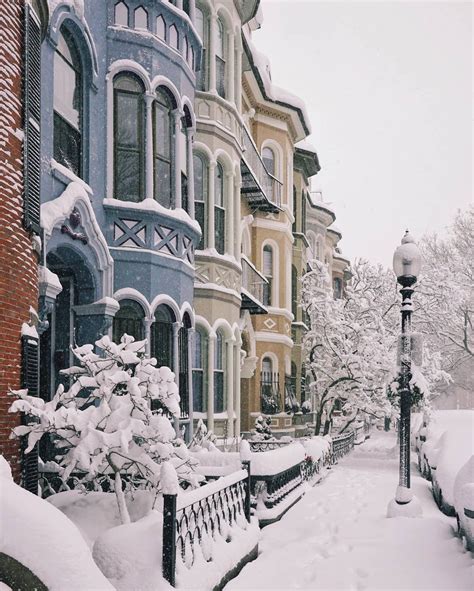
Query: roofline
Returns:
{"type": "Point", "coordinates": [325, 209]}
{"type": "Point", "coordinates": [333, 231]}
{"type": "Point", "coordinates": [264, 94]}
{"type": "Point", "coordinates": [313, 156]}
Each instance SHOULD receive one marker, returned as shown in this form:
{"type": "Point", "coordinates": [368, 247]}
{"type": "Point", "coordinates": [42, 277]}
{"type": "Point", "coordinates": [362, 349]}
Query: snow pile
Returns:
{"type": "Point", "coordinates": [45, 540]}
{"type": "Point", "coordinates": [317, 448]}
{"type": "Point", "coordinates": [268, 463]}
{"type": "Point", "coordinates": [96, 512]}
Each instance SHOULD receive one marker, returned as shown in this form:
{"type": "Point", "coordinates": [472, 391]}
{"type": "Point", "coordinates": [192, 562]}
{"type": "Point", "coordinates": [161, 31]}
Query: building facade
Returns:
{"type": "Point", "coordinates": [118, 84]}
{"type": "Point", "coordinates": [23, 25]}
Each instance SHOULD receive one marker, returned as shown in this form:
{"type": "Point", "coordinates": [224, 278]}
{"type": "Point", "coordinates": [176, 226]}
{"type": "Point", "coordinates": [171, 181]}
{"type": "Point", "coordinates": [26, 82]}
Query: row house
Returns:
{"type": "Point", "coordinates": [168, 197]}
{"type": "Point", "coordinates": [117, 189]}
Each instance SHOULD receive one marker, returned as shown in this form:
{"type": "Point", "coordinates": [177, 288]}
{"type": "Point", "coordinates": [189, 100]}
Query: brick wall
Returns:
{"type": "Point", "coordinates": [18, 262]}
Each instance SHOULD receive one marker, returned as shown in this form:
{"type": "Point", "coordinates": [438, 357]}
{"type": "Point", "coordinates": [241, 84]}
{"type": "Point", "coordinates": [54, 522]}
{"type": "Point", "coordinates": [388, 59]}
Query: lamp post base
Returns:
{"type": "Point", "coordinates": [405, 504]}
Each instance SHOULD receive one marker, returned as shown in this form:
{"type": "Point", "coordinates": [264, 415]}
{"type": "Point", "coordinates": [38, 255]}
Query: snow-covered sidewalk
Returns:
{"type": "Point", "coordinates": [338, 535]}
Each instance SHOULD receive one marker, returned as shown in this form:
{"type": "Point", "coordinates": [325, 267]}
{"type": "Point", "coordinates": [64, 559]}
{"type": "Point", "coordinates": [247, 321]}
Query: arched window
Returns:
{"type": "Point", "coordinates": [337, 286]}
{"type": "Point", "coordinates": [220, 58]}
{"type": "Point", "coordinates": [162, 337]}
{"type": "Point", "coordinates": [141, 18]}
{"type": "Point", "coordinates": [201, 173]}
{"type": "Point", "coordinates": [268, 157]}
{"type": "Point", "coordinates": [162, 123]}
{"type": "Point", "coordinates": [161, 27]}
{"type": "Point", "coordinates": [219, 211]}
{"type": "Point", "coordinates": [68, 104]}
{"type": "Point", "coordinates": [129, 145]}
{"type": "Point", "coordinates": [174, 37]}
{"type": "Point", "coordinates": [219, 373]}
{"type": "Point", "coordinates": [121, 14]}
{"type": "Point", "coordinates": [202, 27]}
{"type": "Point", "coordinates": [268, 274]}
{"type": "Point", "coordinates": [199, 364]}
{"type": "Point", "coordinates": [129, 320]}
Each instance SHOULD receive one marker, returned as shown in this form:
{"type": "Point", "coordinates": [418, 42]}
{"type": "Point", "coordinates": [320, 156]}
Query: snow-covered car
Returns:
{"type": "Point", "coordinates": [452, 450]}
{"type": "Point", "coordinates": [464, 502]}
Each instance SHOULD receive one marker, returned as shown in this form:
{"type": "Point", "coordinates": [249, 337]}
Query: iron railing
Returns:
{"type": "Point", "coordinates": [253, 283]}
{"type": "Point", "coordinates": [270, 393]}
{"type": "Point", "coordinates": [259, 446]}
{"type": "Point", "coordinates": [189, 526]}
{"type": "Point", "coordinates": [256, 178]}
{"type": "Point", "coordinates": [342, 445]}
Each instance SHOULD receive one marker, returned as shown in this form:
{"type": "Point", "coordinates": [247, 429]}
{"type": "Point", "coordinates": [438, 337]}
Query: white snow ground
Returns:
{"type": "Point", "coordinates": [338, 535]}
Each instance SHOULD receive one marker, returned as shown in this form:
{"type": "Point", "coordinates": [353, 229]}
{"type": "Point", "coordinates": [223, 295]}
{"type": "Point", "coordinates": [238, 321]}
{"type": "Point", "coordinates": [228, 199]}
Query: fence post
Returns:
{"type": "Point", "coordinates": [246, 466]}
{"type": "Point", "coordinates": [169, 538]}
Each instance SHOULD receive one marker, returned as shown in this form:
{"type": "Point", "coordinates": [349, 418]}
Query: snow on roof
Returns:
{"type": "Point", "coordinates": [273, 92]}
{"type": "Point", "coordinates": [335, 229]}
{"type": "Point", "coordinates": [305, 145]}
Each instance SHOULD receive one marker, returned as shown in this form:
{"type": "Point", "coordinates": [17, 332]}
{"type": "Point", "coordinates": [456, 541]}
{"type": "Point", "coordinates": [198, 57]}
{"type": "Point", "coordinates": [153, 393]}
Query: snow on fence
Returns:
{"type": "Point", "coordinates": [341, 445]}
{"type": "Point", "coordinates": [211, 523]}
{"type": "Point", "coordinates": [267, 445]}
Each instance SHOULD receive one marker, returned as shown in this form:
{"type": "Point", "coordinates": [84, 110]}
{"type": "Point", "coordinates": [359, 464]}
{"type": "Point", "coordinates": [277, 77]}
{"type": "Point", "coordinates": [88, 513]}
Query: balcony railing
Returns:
{"type": "Point", "coordinates": [253, 284]}
{"type": "Point", "coordinates": [260, 188]}
{"type": "Point", "coordinates": [270, 399]}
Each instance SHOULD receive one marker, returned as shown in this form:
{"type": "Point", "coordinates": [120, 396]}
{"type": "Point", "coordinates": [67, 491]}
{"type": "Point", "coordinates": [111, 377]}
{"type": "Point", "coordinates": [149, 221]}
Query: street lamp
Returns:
{"type": "Point", "coordinates": [406, 265]}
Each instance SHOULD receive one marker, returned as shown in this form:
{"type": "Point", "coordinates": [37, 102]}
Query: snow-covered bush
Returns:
{"type": "Point", "coordinates": [203, 439]}
{"type": "Point", "coordinates": [263, 431]}
{"type": "Point", "coordinates": [104, 426]}
{"type": "Point", "coordinates": [306, 407]}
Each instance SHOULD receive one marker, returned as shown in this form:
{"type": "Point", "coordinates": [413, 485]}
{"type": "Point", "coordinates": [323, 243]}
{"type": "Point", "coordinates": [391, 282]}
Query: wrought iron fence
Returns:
{"type": "Point", "coordinates": [259, 446]}
{"type": "Point", "coordinates": [191, 528]}
{"type": "Point", "coordinates": [272, 489]}
{"type": "Point", "coordinates": [342, 445]}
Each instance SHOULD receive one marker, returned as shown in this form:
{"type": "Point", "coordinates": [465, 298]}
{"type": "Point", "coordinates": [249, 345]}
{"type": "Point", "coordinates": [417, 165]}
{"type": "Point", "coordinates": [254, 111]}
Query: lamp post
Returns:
{"type": "Point", "coordinates": [406, 265]}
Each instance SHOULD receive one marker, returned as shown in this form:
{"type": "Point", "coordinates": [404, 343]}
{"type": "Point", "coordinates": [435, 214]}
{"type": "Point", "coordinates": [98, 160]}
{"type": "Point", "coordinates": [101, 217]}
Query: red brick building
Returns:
{"type": "Point", "coordinates": [21, 23]}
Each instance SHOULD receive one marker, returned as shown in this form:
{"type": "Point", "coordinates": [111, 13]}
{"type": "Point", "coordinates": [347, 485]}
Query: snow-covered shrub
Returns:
{"type": "Point", "coordinates": [104, 426]}
{"type": "Point", "coordinates": [263, 431]}
{"type": "Point", "coordinates": [203, 438]}
{"type": "Point", "coordinates": [306, 407]}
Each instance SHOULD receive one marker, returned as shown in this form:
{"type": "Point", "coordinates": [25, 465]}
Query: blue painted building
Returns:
{"type": "Point", "coordinates": [117, 188]}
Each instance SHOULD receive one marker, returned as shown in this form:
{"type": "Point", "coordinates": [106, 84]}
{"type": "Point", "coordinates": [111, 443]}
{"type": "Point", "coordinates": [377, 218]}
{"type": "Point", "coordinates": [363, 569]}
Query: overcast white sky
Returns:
{"type": "Point", "coordinates": [388, 87]}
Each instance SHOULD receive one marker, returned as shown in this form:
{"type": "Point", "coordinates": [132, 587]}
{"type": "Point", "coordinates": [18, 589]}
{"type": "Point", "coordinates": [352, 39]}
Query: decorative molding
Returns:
{"type": "Point", "coordinates": [74, 222]}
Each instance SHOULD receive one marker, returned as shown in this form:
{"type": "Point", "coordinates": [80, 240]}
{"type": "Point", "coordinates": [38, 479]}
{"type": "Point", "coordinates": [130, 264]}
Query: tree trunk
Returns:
{"type": "Point", "coordinates": [122, 506]}
{"type": "Point", "coordinates": [319, 415]}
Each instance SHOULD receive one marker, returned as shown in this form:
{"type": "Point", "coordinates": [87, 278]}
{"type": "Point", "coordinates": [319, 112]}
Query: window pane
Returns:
{"type": "Point", "coordinates": [269, 160]}
{"type": "Point", "coordinates": [67, 92]}
{"type": "Point", "coordinates": [162, 341]}
{"type": "Point", "coordinates": [129, 319]}
{"type": "Point", "coordinates": [127, 175]}
{"type": "Point", "coordinates": [161, 27]}
{"type": "Point", "coordinates": [218, 391]}
{"type": "Point", "coordinates": [127, 119]}
{"type": "Point", "coordinates": [162, 131]}
{"type": "Point", "coordinates": [121, 14]}
{"type": "Point", "coordinates": [199, 215]}
{"type": "Point", "coordinates": [220, 49]}
{"type": "Point", "coordinates": [141, 18]}
{"type": "Point", "coordinates": [67, 145]}
{"type": "Point", "coordinates": [219, 223]}
{"type": "Point", "coordinates": [219, 186]}
{"type": "Point", "coordinates": [198, 390]}
{"type": "Point", "coordinates": [198, 164]}
{"type": "Point", "coordinates": [201, 74]}
{"type": "Point", "coordinates": [174, 39]}
{"type": "Point", "coordinates": [220, 76]}
{"type": "Point", "coordinates": [163, 182]}
{"type": "Point", "coordinates": [267, 261]}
